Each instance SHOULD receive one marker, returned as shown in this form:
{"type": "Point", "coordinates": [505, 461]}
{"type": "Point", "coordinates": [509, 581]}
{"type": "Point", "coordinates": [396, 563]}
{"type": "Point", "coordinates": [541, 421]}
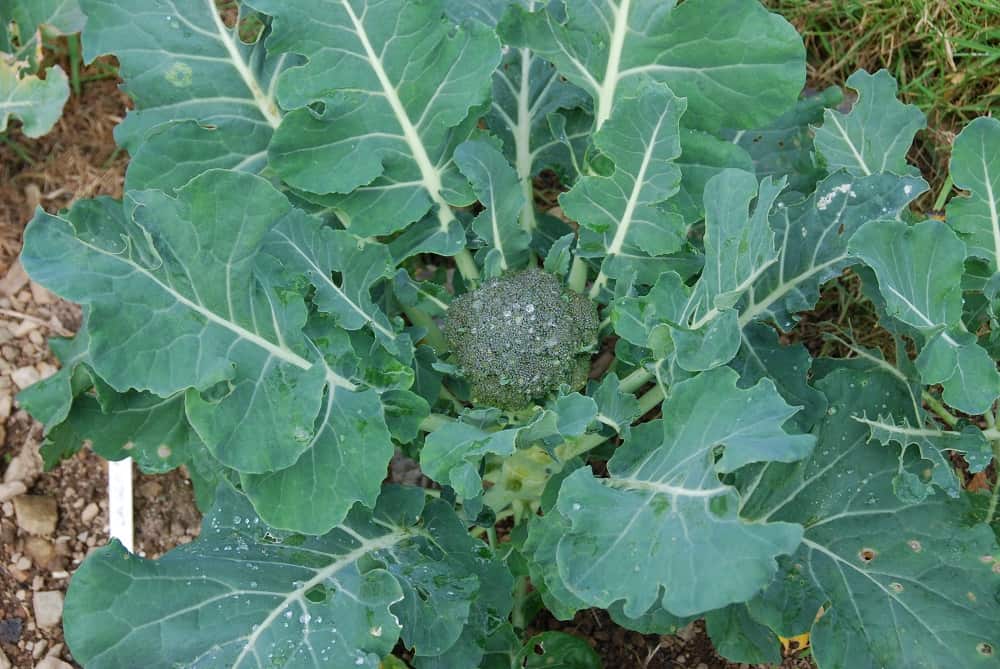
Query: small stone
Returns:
{"type": "Point", "coordinates": [36, 514]}
{"type": "Point", "coordinates": [48, 605]}
{"type": "Point", "coordinates": [90, 512]}
{"type": "Point", "coordinates": [25, 466]}
{"type": "Point", "coordinates": [52, 662]}
{"type": "Point", "coordinates": [24, 564]}
{"type": "Point", "coordinates": [11, 490]}
{"type": "Point", "coordinates": [39, 648]}
{"type": "Point", "coordinates": [40, 294]}
{"type": "Point", "coordinates": [24, 376]}
{"type": "Point", "coordinates": [4, 662]}
{"type": "Point", "coordinates": [15, 279]}
{"type": "Point", "coordinates": [6, 403]}
{"type": "Point", "coordinates": [40, 550]}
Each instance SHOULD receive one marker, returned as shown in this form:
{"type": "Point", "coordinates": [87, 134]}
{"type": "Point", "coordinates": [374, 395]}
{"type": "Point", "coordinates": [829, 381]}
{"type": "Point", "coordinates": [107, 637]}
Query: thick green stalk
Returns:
{"type": "Point", "coordinates": [578, 275]}
{"type": "Point", "coordinates": [466, 266]}
{"type": "Point", "coordinates": [421, 319]}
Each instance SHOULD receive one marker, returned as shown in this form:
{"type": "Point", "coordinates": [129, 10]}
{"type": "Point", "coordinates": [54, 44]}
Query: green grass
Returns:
{"type": "Point", "coordinates": [945, 54]}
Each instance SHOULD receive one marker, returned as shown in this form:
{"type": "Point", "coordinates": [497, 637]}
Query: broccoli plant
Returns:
{"type": "Point", "coordinates": [338, 240]}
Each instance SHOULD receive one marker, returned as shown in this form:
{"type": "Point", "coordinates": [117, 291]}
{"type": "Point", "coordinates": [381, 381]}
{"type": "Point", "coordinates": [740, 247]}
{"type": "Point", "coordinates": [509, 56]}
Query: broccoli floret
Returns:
{"type": "Point", "coordinates": [519, 337]}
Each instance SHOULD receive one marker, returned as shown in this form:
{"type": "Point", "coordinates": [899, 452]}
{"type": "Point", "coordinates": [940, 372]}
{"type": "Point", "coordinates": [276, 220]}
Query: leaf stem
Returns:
{"type": "Point", "coordinates": [421, 319]}
{"type": "Point", "coordinates": [569, 450]}
{"type": "Point", "coordinates": [935, 405]}
{"type": "Point", "coordinates": [467, 268]}
{"type": "Point", "coordinates": [73, 42]}
{"type": "Point", "coordinates": [578, 275]}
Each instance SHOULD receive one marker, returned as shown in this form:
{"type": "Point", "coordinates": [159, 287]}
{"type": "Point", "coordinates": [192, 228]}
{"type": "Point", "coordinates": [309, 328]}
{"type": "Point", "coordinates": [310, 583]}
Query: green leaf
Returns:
{"type": "Point", "coordinates": [185, 68]}
{"type": "Point", "coordinates": [36, 102]}
{"type": "Point", "coordinates": [499, 192]}
{"type": "Point", "coordinates": [919, 271]}
{"type": "Point", "coordinates": [813, 234]}
{"type": "Point", "coordinates": [557, 650]}
{"type": "Point", "coordinates": [739, 638]}
{"type": "Point", "coordinates": [903, 583]}
{"type": "Point", "coordinates": [975, 167]}
{"type": "Point", "coordinates": [703, 156]}
{"type": "Point", "coordinates": [185, 303]}
{"type": "Point", "coordinates": [451, 455]}
{"type": "Point", "coordinates": [618, 213]}
{"type": "Point", "coordinates": [557, 260]}
{"type": "Point", "coordinates": [875, 135]}
{"type": "Point", "coordinates": [738, 65]}
{"type": "Point", "coordinates": [340, 599]}
{"type": "Point", "coordinates": [304, 244]}
{"type": "Point", "coordinates": [739, 248]}
{"type": "Point", "coordinates": [527, 92]}
{"type": "Point", "coordinates": [544, 535]}
{"type": "Point", "coordinates": [615, 408]}
{"type": "Point", "coordinates": [663, 501]}
{"type": "Point", "coordinates": [400, 89]}
{"type": "Point", "coordinates": [787, 365]}
{"type": "Point", "coordinates": [933, 445]}
{"type": "Point", "coordinates": [785, 147]}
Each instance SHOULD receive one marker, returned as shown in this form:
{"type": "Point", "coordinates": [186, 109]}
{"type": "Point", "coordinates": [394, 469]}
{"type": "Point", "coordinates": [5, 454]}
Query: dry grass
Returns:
{"type": "Point", "coordinates": [944, 53]}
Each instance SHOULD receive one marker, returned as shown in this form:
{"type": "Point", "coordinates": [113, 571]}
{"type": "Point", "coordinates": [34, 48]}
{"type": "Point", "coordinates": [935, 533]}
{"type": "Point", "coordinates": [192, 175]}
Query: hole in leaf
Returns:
{"type": "Point", "coordinates": [317, 594]}
{"type": "Point", "coordinates": [866, 555]}
{"type": "Point", "coordinates": [896, 587]}
{"type": "Point", "coordinates": [985, 649]}
{"type": "Point", "coordinates": [915, 545]}
{"type": "Point", "coordinates": [539, 650]}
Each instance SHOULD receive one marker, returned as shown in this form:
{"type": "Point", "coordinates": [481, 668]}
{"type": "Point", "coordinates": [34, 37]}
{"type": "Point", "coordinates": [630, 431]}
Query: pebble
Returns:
{"type": "Point", "coordinates": [11, 490]}
{"type": "Point", "coordinates": [40, 550]}
{"type": "Point", "coordinates": [90, 512]}
{"type": "Point", "coordinates": [4, 662]}
{"type": "Point", "coordinates": [39, 648]}
{"type": "Point", "coordinates": [36, 514]}
{"type": "Point", "coordinates": [10, 630]}
{"type": "Point", "coordinates": [48, 606]}
{"type": "Point", "coordinates": [40, 294]}
{"type": "Point", "coordinates": [6, 403]}
{"type": "Point", "coordinates": [15, 279]}
{"type": "Point", "coordinates": [24, 376]}
{"type": "Point", "coordinates": [24, 564]}
{"type": "Point", "coordinates": [25, 466]}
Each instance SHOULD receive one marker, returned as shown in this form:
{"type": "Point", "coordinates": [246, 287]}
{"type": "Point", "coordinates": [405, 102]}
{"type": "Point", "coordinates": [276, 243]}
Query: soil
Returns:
{"type": "Point", "coordinates": [78, 159]}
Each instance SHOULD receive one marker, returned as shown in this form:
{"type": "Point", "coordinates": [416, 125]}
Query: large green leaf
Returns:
{"type": "Point", "coordinates": [812, 235]}
{"type": "Point", "coordinates": [663, 519]}
{"type": "Point", "coordinates": [875, 135]}
{"type": "Point", "coordinates": [618, 213]}
{"type": "Point", "coordinates": [246, 595]}
{"type": "Point", "coordinates": [186, 304]}
{"type": "Point", "coordinates": [919, 271]}
{"type": "Point", "coordinates": [400, 88]}
{"type": "Point", "coordinates": [903, 584]}
{"type": "Point", "coordinates": [738, 65]}
{"type": "Point", "coordinates": [185, 68]}
{"type": "Point", "coordinates": [975, 166]}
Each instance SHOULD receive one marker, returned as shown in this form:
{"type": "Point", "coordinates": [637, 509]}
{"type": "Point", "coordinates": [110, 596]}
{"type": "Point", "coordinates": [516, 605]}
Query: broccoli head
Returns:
{"type": "Point", "coordinates": [519, 337]}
